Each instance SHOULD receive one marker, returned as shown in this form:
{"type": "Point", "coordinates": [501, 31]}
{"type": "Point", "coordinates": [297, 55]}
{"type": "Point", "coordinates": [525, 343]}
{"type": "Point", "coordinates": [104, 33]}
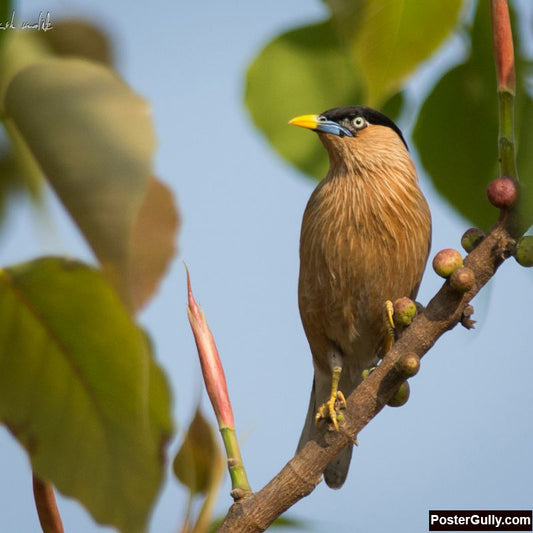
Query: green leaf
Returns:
{"type": "Point", "coordinates": [392, 38]}
{"type": "Point", "coordinates": [456, 135]}
{"type": "Point", "coordinates": [94, 140]}
{"type": "Point", "coordinates": [393, 106]}
{"type": "Point", "coordinates": [457, 129]}
{"type": "Point", "coordinates": [197, 461]}
{"type": "Point", "coordinates": [303, 71]}
{"type": "Point", "coordinates": [80, 390]}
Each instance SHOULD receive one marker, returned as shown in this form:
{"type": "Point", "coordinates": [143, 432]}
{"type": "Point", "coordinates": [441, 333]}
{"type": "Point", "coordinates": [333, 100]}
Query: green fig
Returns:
{"type": "Point", "coordinates": [524, 251]}
{"type": "Point", "coordinates": [471, 238]}
{"type": "Point", "coordinates": [401, 396]}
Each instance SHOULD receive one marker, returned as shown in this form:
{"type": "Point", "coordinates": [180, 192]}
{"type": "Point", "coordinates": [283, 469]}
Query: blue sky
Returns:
{"type": "Point", "coordinates": [463, 439]}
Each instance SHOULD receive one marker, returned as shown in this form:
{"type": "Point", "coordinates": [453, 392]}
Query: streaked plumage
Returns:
{"type": "Point", "coordinates": [365, 239]}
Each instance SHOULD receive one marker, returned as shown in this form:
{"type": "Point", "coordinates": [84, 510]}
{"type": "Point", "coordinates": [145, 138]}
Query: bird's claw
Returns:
{"type": "Point", "coordinates": [390, 326]}
{"type": "Point", "coordinates": [330, 410]}
{"type": "Point", "coordinates": [389, 308]}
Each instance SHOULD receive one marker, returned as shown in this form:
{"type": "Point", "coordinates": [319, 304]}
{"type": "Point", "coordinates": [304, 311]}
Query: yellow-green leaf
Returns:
{"type": "Point", "coordinates": [80, 390]}
{"type": "Point", "coordinates": [196, 463]}
{"type": "Point", "coordinates": [393, 37]}
{"type": "Point", "coordinates": [93, 138]}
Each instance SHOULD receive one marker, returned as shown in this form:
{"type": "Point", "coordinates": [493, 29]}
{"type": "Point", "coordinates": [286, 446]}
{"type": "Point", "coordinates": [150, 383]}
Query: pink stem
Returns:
{"type": "Point", "coordinates": [47, 510]}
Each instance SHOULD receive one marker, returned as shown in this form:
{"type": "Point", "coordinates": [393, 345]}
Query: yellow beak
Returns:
{"type": "Point", "coordinates": [321, 124]}
{"type": "Point", "coordinates": [305, 121]}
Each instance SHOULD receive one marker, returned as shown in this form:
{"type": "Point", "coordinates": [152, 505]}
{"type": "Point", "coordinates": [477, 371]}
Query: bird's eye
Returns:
{"type": "Point", "coordinates": [359, 122]}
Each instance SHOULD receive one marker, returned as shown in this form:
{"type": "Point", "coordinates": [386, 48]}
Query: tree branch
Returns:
{"type": "Point", "coordinates": [303, 472]}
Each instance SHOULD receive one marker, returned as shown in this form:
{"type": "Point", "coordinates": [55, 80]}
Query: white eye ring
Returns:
{"type": "Point", "coordinates": [359, 122]}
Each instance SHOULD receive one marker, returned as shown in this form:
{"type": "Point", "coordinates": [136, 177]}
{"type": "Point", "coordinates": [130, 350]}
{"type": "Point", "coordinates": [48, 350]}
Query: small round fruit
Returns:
{"type": "Point", "coordinates": [404, 311]}
{"type": "Point", "coordinates": [446, 261]}
{"type": "Point", "coordinates": [524, 251]}
{"type": "Point", "coordinates": [471, 238]}
{"type": "Point", "coordinates": [502, 192]}
{"type": "Point", "coordinates": [462, 279]}
{"type": "Point", "coordinates": [401, 396]}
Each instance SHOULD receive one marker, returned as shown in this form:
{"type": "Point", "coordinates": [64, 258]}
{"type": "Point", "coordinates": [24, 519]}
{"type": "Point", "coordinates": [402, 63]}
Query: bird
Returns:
{"type": "Point", "coordinates": [365, 240]}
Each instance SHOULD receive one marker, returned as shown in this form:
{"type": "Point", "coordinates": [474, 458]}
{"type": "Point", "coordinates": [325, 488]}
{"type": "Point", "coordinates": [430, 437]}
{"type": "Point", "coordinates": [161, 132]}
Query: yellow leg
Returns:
{"type": "Point", "coordinates": [389, 323]}
{"type": "Point", "coordinates": [336, 401]}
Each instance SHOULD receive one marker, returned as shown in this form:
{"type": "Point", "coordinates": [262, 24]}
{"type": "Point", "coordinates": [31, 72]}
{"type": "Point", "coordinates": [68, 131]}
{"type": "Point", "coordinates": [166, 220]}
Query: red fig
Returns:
{"type": "Point", "coordinates": [502, 192]}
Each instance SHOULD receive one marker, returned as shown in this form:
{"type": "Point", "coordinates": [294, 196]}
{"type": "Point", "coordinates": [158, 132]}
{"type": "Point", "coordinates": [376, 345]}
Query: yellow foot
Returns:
{"type": "Point", "coordinates": [330, 410]}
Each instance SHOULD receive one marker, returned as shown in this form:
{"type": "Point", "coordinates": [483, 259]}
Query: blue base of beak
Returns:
{"type": "Point", "coordinates": [328, 126]}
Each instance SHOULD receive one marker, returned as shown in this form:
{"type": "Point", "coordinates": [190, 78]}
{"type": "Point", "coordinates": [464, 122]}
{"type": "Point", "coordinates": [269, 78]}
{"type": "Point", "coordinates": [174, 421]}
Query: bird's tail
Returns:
{"type": "Point", "coordinates": [337, 470]}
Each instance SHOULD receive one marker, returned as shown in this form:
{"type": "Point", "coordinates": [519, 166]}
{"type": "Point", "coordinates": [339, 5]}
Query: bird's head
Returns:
{"type": "Point", "coordinates": [356, 132]}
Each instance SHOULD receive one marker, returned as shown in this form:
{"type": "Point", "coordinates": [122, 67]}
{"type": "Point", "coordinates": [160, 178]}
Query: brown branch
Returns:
{"type": "Point", "coordinates": [45, 501]}
{"type": "Point", "coordinates": [303, 472]}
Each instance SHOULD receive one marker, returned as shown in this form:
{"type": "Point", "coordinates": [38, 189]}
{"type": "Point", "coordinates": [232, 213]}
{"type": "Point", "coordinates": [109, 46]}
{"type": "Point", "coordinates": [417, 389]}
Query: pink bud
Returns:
{"type": "Point", "coordinates": [212, 371]}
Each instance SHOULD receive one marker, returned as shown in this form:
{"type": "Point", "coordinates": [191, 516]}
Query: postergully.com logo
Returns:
{"type": "Point", "coordinates": [480, 520]}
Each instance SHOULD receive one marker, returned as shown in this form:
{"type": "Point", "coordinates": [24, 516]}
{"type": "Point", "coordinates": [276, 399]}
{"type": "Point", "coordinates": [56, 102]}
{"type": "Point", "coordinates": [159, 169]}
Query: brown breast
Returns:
{"type": "Point", "coordinates": [365, 239]}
